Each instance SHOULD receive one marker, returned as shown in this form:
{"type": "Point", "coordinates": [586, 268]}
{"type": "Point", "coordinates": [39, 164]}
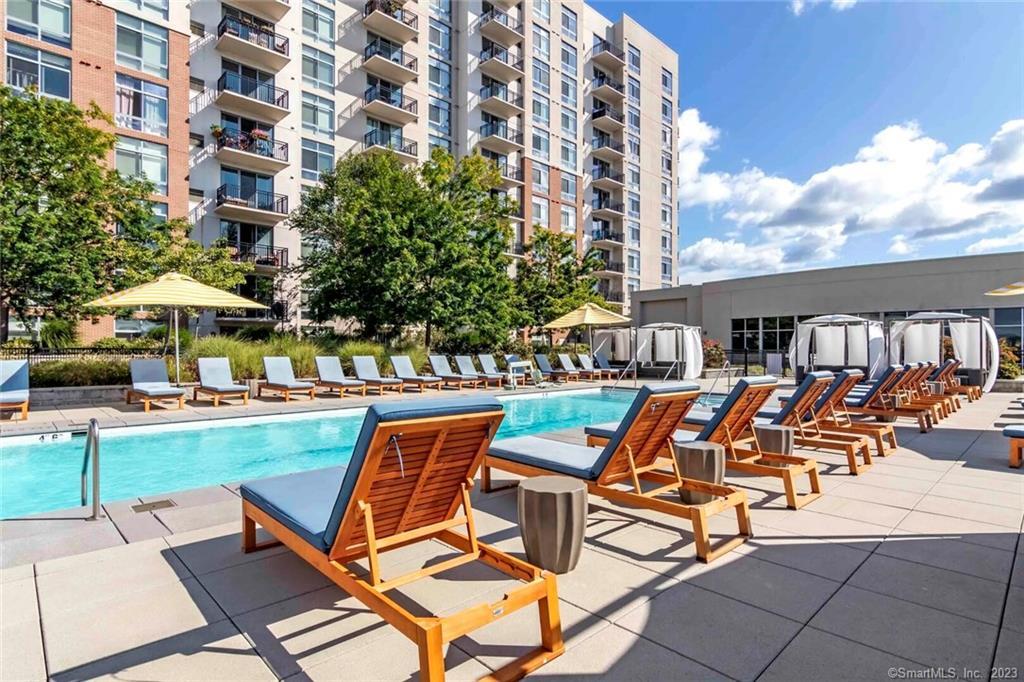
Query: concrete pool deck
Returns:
{"type": "Point", "coordinates": [915, 564]}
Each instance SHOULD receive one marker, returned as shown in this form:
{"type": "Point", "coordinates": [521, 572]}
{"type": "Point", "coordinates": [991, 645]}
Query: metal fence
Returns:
{"type": "Point", "coordinates": [37, 355]}
{"type": "Point", "coordinates": [756, 362]}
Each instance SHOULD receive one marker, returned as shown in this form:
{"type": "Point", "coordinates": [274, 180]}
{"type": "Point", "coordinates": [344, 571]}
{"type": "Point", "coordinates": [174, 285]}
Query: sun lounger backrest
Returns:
{"type": "Point", "coordinates": [465, 365]}
{"type": "Point", "coordinates": [881, 387]}
{"type": "Point", "coordinates": [279, 370]}
{"type": "Point", "coordinates": [653, 417]}
{"type": "Point", "coordinates": [806, 396]}
{"type": "Point", "coordinates": [328, 368]}
{"type": "Point", "coordinates": [409, 463]}
{"type": "Point", "coordinates": [439, 365]}
{"type": "Point", "coordinates": [149, 371]}
{"type": "Point", "coordinates": [567, 363]}
{"type": "Point", "coordinates": [542, 363]}
{"type": "Point", "coordinates": [509, 359]}
{"type": "Point", "coordinates": [365, 366]}
{"type": "Point", "coordinates": [488, 364]}
{"type": "Point", "coordinates": [585, 362]}
{"type": "Point", "coordinates": [742, 404]}
{"type": "Point", "coordinates": [214, 372]}
{"type": "Point", "coordinates": [403, 367]}
{"type": "Point", "coordinates": [14, 375]}
{"type": "Point", "coordinates": [602, 360]}
{"type": "Point", "coordinates": [942, 369]}
{"type": "Point", "coordinates": [837, 392]}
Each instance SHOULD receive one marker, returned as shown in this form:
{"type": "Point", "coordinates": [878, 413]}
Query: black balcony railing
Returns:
{"type": "Point", "coordinates": [502, 55]}
{"type": "Point", "coordinates": [607, 236]}
{"type": "Point", "coordinates": [608, 143]}
{"type": "Point", "coordinates": [601, 81]}
{"type": "Point", "coordinates": [504, 94]}
{"type": "Point", "coordinates": [605, 111]}
{"type": "Point", "coordinates": [503, 131]}
{"type": "Point", "coordinates": [612, 296]}
{"type": "Point", "coordinates": [517, 249]}
{"type": "Point", "coordinates": [503, 18]}
{"type": "Point", "coordinates": [263, 201]}
{"type": "Point", "coordinates": [604, 173]}
{"type": "Point", "coordinates": [607, 205]}
{"type": "Point", "coordinates": [380, 48]}
{"type": "Point", "coordinates": [391, 9]}
{"type": "Point", "coordinates": [265, 92]}
{"type": "Point", "coordinates": [263, 146]}
{"type": "Point", "coordinates": [612, 266]}
{"type": "Point", "coordinates": [251, 33]}
{"type": "Point", "coordinates": [275, 310]}
{"type": "Point", "coordinates": [380, 138]}
{"type": "Point", "coordinates": [390, 96]}
{"type": "Point", "coordinates": [260, 254]}
{"type": "Point", "coordinates": [510, 172]}
{"type": "Point", "coordinates": [605, 47]}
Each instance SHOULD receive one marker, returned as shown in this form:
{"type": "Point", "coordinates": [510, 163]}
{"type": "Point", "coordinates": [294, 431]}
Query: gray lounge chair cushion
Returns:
{"type": "Point", "coordinates": [149, 377]}
{"type": "Point", "coordinates": [313, 503]}
{"type": "Point", "coordinates": [551, 455]}
{"type": "Point", "coordinates": [695, 417]}
{"type": "Point", "coordinates": [510, 359]}
{"type": "Point", "coordinates": [488, 364]}
{"type": "Point", "coordinates": [439, 365]}
{"type": "Point", "coordinates": [567, 364]}
{"type": "Point", "coordinates": [329, 371]}
{"type": "Point", "coordinates": [466, 366]}
{"type": "Point", "coordinates": [215, 375]}
{"type": "Point", "coordinates": [13, 375]}
{"type": "Point", "coordinates": [281, 375]}
{"type": "Point", "coordinates": [602, 362]}
{"type": "Point", "coordinates": [587, 364]}
{"type": "Point", "coordinates": [544, 365]}
{"type": "Point", "coordinates": [859, 397]}
{"type": "Point", "coordinates": [13, 397]}
{"type": "Point", "coordinates": [811, 378]}
{"type": "Point", "coordinates": [1014, 430]}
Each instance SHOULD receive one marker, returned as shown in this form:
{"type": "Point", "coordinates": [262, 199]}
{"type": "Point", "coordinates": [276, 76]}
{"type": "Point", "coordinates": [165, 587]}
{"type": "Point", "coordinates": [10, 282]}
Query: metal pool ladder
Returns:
{"type": "Point", "coordinates": [727, 369]}
{"type": "Point", "coordinates": [92, 450]}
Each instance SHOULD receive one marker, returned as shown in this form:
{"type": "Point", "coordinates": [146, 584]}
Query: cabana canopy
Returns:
{"type": "Point", "coordinates": [838, 341]}
{"type": "Point", "coordinates": [919, 339]}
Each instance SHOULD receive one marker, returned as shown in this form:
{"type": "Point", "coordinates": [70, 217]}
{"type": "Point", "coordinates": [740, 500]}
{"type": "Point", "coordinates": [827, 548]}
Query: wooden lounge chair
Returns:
{"type": "Point", "coordinates": [544, 365]}
{"type": "Point", "coordinates": [366, 370]}
{"type": "Point", "coordinates": [588, 366]}
{"type": "Point", "coordinates": [281, 379]}
{"type": "Point", "coordinates": [877, 400]}
{"type": "Point", "coordinates": [410, 471]}
{"type": "Point", "coordinates": [568, 366]}
{"type": "Point", "coordinates": [151, 384]}
{"type": "Point", "coordinates": [830, 411]}
{"type": "Point", "coordinates": [215, 380]}
{"type": "Point", "coordinates": [14, 391]}
{"type": "Point", "coordinates": [631, 456]}
{"type": "Point", "coordinates": [439, 366]}
{"type": "Point", "coordinates": [732, 426]}
{"type": "Point", "coordinates": [1015, 432]}
{"type": "Point", "coordinates": [466, 366]}
{"type": "Point", "coordinates": [331, 376]}
{"type": "Point", "coordinates": [921, 391]}
{"type": "Point", "coordinates": [953, 384]}
{"type": "Point", "coordinates": [519, 371]}
{"type": "Point", "coordinates": [602, 362]}
{"type": "Point", "coordinates": [407, 373]}
{"type": "Point", "coordinates": [909, 394]}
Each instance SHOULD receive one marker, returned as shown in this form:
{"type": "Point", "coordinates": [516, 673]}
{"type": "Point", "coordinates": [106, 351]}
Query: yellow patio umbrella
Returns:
{"type": "Point", "coordinates": [175, 291]}
{"type": "Point", "coordinates": [588, 315]}
{"type": "Point", "coordinates": [1015, 289]}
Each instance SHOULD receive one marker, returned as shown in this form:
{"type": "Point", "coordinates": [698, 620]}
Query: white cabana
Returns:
{"type": "Point", "coordinates": [838, 342]}
{"type": "Point", "coordinates": [919, 339]}
{"type": "Point", "coordinates": [677, 345]}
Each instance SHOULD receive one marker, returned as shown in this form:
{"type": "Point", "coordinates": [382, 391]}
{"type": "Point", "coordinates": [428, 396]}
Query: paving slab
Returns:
{"type": "Point", "coordinates": [818, 655]}
{"type": "Point", "coordinates": [206, 550]}
{"type": "Point", "coordinates": [858, 510]}
{"type": "Point", "coordinates": [24, 638]}
{"type": "Point", "coordinates": [1013, 617]}
{"type": "Point", "coordinates": [877, 495]}
{"type": "Point", "coordinates": [182, 519]}
{"type": "Point", "coordinates": [983, 512]}
{"type": "Point", "coordinates": [825, 559]}
{"type": "Point", "coordinates": [248, 586]}
{"type": "Point", "coordinates": [122, 553]}
{"type": "Point", "coordinates": [920, 523]}
{"type": "Point", "coordinates": [1009, 659]}
{"type": "Point", "coordinates": [67, 542]}
{"type": "Point", "coordinates": [950, 554]}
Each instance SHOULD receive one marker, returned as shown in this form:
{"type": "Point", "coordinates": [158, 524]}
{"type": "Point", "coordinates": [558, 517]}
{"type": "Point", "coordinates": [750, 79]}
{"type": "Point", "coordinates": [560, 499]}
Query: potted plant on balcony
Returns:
{"type": "Point", "coordinates": [217, 131]}
{"type": "Point", "coordinates": [261, 141]}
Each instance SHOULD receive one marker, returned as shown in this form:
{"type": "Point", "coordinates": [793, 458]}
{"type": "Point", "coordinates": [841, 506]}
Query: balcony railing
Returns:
{"type": "Point", "coordinates": [275, 310]}
{"type": "Point", "coordinates": [604, 111]}
{"type": "Point", "coordinates": [607, 205]}
{"type": "Point", "coordinates": [252, 88]}
{"type": "Point", "coordinates": [503, 18]}
{"type": "Point", "coordinates": [390, 96]}
{"type": "Point", "coordinates": [502, 55]}
{"type": "Point", "coordinates": [393, 10]}
{"type": "Point", "coordinates": [605, 46]}
{"type": "Point", "coordinates": [611, 296]}
{"type": "Point", "coordinates": [602, 81]}
{"type": "Point", "coordinates": [256, 35]}
{"type": "Point", "coordinates": [510, 172]}
{"type": "Point", "coordinates": [257, 199]}
{"type": "Point", "coordinates": [504, 94]}
{"type": "Point", "coordinates": [608, 143]}
{"type": "Point", "coordinates": [141, 124]}
{"type": "Point", "coordinates": [517, 249]}
{"type": "Point", "coordinates": [612, 266]}
{"type": "Point", "coordinates": [260, 254]}
{"type": "Point", "coordinates": [601, 173]}
{"type": "Point", "coordinates": [272, 149]}
{"type": "Point", "coordinates": [607, 236]}
{"type": "Point", "coordinates": [380, 138]}
{"type": "Point", "coordinates": [501, 130]}
{"type": "Point", "coordinates": [379, 48]}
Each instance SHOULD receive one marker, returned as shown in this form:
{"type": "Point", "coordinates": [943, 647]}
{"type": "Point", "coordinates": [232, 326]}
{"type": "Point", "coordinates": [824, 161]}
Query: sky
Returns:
{"type": "Point", "coordinates": [820, 133]}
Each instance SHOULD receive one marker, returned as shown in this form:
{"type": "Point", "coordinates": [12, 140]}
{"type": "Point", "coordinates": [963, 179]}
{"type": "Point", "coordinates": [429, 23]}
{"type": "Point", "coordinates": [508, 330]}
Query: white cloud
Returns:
{"type": "Point", "coordinates": [903, 183]}
{"type": "Point", "coordinates": [1009, 241]}
{"type": "Point", "coordinates": [712, 256]}
{"type": "Point", "coordinates": [797, 7]}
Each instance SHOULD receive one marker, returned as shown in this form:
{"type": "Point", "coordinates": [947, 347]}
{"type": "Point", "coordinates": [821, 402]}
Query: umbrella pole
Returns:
{"type": "Point", "coordinates": [177, 356]}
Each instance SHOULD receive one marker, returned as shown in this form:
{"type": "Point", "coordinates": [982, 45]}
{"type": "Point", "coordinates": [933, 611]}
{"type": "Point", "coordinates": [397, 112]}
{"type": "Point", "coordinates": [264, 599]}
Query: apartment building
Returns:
{"type": "Point", "coordinates": [261, 95]}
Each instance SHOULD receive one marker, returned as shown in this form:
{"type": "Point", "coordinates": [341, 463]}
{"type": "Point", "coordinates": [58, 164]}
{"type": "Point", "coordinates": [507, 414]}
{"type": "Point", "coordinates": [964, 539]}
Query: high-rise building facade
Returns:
{"type": "Point", "coordinates": [232, 108]}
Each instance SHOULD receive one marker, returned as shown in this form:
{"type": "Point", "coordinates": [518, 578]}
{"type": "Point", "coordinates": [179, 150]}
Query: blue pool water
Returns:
{"type": "Point", "coordinates": [40, 477]}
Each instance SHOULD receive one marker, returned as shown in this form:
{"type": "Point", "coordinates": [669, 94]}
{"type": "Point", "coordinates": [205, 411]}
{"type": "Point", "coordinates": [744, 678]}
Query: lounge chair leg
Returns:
{"type": "Point", "coordinates": [145, 405]}
{"type": "Point", "coordinates": [24, 413]}
{"type": "Point", "coordinates": [216, 400]}
{"type": "Point", "coordinates": [550, 618]}
{"type": "Point", "coordinates": [249, 543]}
{"type": "Point", "coordinates": [431, 653]}
{"type": "Point", "coordinates": [1016, 452]}
{"type": "Point", "coordinates": [699, 521]}
{"type": "Point", "coordinates": [245, 398]}
{"type": "Point", "coordinates": [287, 396]}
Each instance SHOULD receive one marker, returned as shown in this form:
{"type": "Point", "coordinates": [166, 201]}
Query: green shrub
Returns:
{"type": "Point", "coordinates": [347, 349]}
{"type": "Point", "coordinates": [714, 354]}
{"type": "Point", "coordinates": [113, 343]}
{"type": "Point", "coordinates": [1009, 361]}
{"type": "Point", "coordinates": [302, 352]}
{"type": "Point", "coordinates": [17, 343]}
{"type": "Point", "coordinates": [253, 334]}
{"type": "Point", "coordinates": [58, 333]}
{"type": "Point", "coordinates": [80, 373]}
{"type": "Point", "coordinates": [246, 359]}
{"type": "Point", "coordinates": [160, 333]}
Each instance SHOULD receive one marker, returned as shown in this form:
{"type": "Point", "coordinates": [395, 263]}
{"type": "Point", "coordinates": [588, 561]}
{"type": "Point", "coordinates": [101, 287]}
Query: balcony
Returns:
{"type": "Point", "coordinates": [607, 149]}
{"type": "Point", "coordinates": [608, 119]}
{"type": "Point", "coordinates": [389, 105]}
{"type": "Point", "coordinates": [604, 237]}
{"type": "Point", "coordinates": [501, 137]}
{"type": "Point", "coordinates": [500, 101]}
{"type": "Point", "coordinates": [390, 20]}
{"type": "Point", "coordinates": [611, 296]}
{"type": "Point", "coordinates": [260, 255]}
{"type": "Point", "coordinates": [274, 313]}
{"type": "Point", "coordinates": [516, 249]}
{"type": "Point", "coordinates": [249, 97]}
{"type": "Point", "coordinates": [607, 179]}
{"type": "Point", "coordinates": [511, 176]}
{"type": "Point", "coordinates": [274, 10]}
{"type": "Point", "coordinates": [253, 153]}
{"type": "Point", "coordinates": [252, 44]}
{"type": "Point", "coordinates": [610, 268]}
{"type": "Point", "coordinates": [380, 141]}
{"type": "Point", "coordinates": [608, 56]}
{"type": "Point", "coordinates": [391, 64]}
{"type": "Point", "coordinates": [501, 64]}
{"type": "Point", "coordinates": [255, 206]}
{"type": "Point", "coordinates": [501, 27]}
{"type": "Point", "coordinates": [608, 88]}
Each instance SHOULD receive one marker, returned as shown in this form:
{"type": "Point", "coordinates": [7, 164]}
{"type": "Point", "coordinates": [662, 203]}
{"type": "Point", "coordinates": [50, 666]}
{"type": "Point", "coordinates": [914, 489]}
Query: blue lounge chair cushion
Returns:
{"type": "Point", "coordinates": [215, 375]}
{"type": "Point", "coordinates": [158, 390]}
{"type": "Point", "coordinates": [859, 397]}
{"type": "Point", "coordinates": [13, 397]}
{"type": "Point", "coordinates": [1014, 430]}
{"type": "Point", "coordinates": [509, 359]}
{"type": "Point", "coordinates": [810, 379]}
{"type": "Point", "coordinates": [149, 377]}
{"type": "Point", "coordinates": [488, 364]}
{"type": "Point", "coordinates": [329, 371]}
{"type": "Point", "coordinates": [439, 365]}
{"type": "Point", "coordinates": [723, 410]}
{"type": "Point", "coordinates": [301, 501]}
{"type": "Point", "coordinates": [406, 372]}
{"type": "Point", "coordinates": [14, 377]}
{"type": "Point", "coordinates": [280, 374]}
{"type": "Point", "coordinates": [552, 455]}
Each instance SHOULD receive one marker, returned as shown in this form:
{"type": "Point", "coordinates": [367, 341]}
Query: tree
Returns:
{"type": "Point", "coordinates": [552, 280]}
{"type": "Point", "coordinates": [391, 246]}
{"type": "Point", "coordinates": [58, 203]}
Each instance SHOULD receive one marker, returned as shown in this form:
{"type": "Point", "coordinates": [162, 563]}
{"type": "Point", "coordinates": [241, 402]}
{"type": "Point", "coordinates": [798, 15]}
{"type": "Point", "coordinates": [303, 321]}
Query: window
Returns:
{"type": "Point", "coordinates": [318, 21]}
{"type": "Point", "coordinates": [569, 91]}
{"type": "Point", "coordinates": [568, 187]}
{"type": "Point", "coordinates": [666, 190]}
{"type": "Point", "coordinates": [633, 263]}
{"type": "Point", "coordinates": [666, 138]}
{"type": "Point", "coordinates": [633, 59]}
{"type": "Point", "coordinates": [159, 212]}
{"type": "Point", "coordinates": [140, 159]}
{"type": "Point", "coordinates": [540, 212]}
{"type": "Point", "coordinates": [666, 163]}
{"type": "Point", "coordinates": [317, 157]}
{"type": "Point", "coordinates": [633, 145]}
{"type": "Point", "coordinates": [666, 216]}
{"type": "Point", "coordinates": [442, 8]}
{"type": "Point", "coordinates": [569, 122]}
{"type": "Point", "coordinates": [542, 9]}
{"type": "Point", "coordinates": [1008, 326]}
{"type": "Point", "coordinates": [569, 155]}
{"type": "Point", "coordinates": [27, 66]}
{"type": "Point", "coordinates": [633, 205]}
{"type": "Point", "coordinates": [666, 269]}
{"type": "Point", "coordinates": [666, 110]}
{"type": "Point", "coordinates": [141, 45]}
{"type": "Point", "coordinates": [155, 8]}
{"type": "Point", "coordinates": [541, 42]}
{"type": "Point", "coordinates": [317, 68]}
{"type": "Point", "coordinates": [633, 118]}
{"type": "Point", "coordinates": [541, 178]}
{"type": "Point", "coordinates": [442, 142]}
{"type": "Point", "coordinates": [633, 233]}
{"type": "Point", "coordinates": [440, 116]}
{"type": "Point", "coordinates": [568, 218]}
{"type": "Point", "coordinates": [440, 39]}
{"type": "Point", "coordinates": [541, 77]}
{"type": "Point", "coordinates": [46, 20]}
{"type": "Point", "coordinates": [440, 78]}
{"type": "Point", "coordinates": [570, 60]}
{"type": "Point", "coordinates": [746, 333]}
{"type": "Point", "coordinates": [633, 89]}
{"type": "Point", "coordinates": [541, 144]}
{"type": "Point", "coordinates": [140, 105]}
{"type": "Point", "coordinates": [633, 176]}
{"type": "Point", "coordinates": [666, 81]}
{"type": "Point", "coordinates": [569, 23]}
{"type": "Point", "coordinates": [541, 110]}
{"type": "Point", "coordinates": [666, 242]}
{"type": "Point", "coordinates": [318, 114]}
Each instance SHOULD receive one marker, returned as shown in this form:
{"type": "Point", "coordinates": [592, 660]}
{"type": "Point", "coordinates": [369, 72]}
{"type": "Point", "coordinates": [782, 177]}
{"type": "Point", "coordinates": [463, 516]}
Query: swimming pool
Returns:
{"type": "Point", "coordinates": [148, 460]}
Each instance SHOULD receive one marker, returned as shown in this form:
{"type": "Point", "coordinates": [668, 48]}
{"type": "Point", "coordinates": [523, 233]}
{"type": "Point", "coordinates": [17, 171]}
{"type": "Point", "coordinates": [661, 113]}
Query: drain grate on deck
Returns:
{"type": "Point", "coordinates": [152, 506]}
